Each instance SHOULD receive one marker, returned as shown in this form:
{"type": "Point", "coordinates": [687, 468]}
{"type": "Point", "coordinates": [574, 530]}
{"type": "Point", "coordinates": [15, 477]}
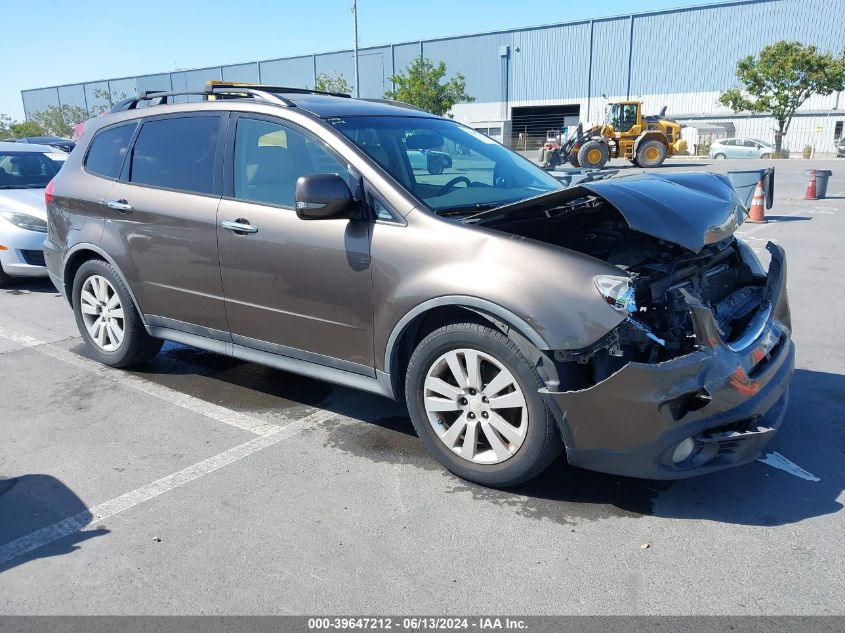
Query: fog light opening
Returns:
{"type": "Point", "coordinates": [684, 450]}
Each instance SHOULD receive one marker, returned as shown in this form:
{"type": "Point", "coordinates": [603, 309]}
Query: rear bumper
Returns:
{"type": "Point", "coordinates": [729, 398]}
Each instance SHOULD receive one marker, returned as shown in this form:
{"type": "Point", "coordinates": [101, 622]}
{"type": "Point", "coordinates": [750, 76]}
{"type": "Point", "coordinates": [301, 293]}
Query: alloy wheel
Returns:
{"type": "Point", "coordinates": [102, 313]}
{"type": "Point", "coordinates": [475, 406]}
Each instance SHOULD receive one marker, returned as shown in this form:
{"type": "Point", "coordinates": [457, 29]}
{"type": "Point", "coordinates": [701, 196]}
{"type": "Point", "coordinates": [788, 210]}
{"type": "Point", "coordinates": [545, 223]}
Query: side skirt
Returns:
{"type": "Point", "coordinates": [380, 384]}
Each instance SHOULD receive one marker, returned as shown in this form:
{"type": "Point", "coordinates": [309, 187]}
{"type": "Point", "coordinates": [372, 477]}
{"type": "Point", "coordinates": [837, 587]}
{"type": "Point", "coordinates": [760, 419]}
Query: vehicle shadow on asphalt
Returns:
{"type": "Point", "coordinates": [23, 285]}
{"type": "Point", "coordinates": [29, 503]}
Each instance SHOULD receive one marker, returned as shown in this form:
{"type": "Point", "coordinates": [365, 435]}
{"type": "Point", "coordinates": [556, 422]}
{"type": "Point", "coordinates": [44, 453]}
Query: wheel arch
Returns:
{"type": "Point", "coordinates": [434, 313]}
{"type": "Point", "coordinates": [82, 253]}
{"type": "Point", "coordinates": [650, 135]}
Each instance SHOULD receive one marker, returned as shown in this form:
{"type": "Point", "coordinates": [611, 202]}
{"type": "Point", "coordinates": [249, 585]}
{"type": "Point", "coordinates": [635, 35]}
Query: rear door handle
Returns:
{"type": "Point", "coordinates": [239, 226]}
{"type": "Point", "coordinates": [119, 205]}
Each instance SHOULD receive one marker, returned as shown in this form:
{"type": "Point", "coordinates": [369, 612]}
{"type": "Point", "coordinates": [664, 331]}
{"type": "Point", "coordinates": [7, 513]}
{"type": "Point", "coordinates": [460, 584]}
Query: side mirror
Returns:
{"type": "Point", "coordinates": [323, 197]}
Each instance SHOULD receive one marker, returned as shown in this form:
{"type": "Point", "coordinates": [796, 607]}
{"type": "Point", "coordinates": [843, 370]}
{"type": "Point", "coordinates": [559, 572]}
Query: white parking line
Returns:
{"type": "Point", "coordinates": [77, 522]}
{"type": "Point", "coordinates": [196, 405]}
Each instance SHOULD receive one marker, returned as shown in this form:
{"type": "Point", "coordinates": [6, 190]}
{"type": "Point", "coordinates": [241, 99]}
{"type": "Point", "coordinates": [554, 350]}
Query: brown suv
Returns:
{"type": "Point", "coordinates": [618, 320]}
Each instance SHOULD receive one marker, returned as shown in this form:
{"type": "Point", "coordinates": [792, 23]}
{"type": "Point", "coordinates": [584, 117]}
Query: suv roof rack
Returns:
{"type": "Point", "coordinates": [223, 90]}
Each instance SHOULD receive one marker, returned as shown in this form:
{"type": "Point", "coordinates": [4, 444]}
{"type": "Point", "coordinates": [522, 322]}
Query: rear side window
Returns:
{"type": "Point", "coordinates": [176, 154]}
{"type": "Point", "coordinates": [108, 150]}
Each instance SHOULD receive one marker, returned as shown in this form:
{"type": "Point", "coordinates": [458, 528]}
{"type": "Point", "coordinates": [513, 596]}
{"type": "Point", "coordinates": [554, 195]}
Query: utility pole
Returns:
{"type": "Point", "coordinates": [355, 54]}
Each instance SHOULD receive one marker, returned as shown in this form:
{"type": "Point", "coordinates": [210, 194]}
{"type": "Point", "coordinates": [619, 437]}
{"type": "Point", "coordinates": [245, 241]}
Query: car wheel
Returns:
{"type": "Point", "coordinates": [107, 318]}
{"type": "Point", "coordinates": [719, 156]}
{"type": "Point", "coordinates": [5, 279]}
{"type": "Point", "coordinates": [765, 156]}
{"type": "Point", "coordinates": [473, 400]}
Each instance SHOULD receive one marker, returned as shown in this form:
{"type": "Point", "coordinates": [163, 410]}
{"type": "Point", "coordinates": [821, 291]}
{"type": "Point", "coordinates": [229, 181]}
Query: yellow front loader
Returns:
{"type": "Point", "coordinates": [625, 133]}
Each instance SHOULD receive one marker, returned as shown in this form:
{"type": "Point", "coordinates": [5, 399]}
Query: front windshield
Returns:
{"type": "Point", "coordinates": [29, 170]}
{"type": "Point", "coordinates": [452, 169]}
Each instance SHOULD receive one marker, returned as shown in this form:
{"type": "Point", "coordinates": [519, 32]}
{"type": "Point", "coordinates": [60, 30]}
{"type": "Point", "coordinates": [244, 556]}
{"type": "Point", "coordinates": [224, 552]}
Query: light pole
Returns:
{"type": "Point", "coordinates": [355, 45]}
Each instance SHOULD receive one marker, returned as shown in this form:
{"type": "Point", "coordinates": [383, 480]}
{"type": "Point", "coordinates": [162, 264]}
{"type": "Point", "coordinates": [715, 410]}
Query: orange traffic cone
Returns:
{"type": "Point", "coordinates": [757, 213]}
{"type": "Point", "coordinates": [811, 188]}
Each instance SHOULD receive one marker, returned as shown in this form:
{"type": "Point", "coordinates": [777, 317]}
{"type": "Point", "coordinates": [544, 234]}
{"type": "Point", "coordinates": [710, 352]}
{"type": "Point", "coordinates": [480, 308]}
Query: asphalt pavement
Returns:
{"type": "Point", "coordinates": [200, 484]}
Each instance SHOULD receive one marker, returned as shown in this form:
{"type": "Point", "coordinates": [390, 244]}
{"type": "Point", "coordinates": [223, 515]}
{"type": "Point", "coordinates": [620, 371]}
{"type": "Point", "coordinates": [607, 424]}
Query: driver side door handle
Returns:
{"type": "Point", "coordinates": [239, 226]}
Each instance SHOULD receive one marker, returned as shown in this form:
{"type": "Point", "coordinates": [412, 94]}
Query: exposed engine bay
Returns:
{"type": "Point", "coordinates": [663, 274]}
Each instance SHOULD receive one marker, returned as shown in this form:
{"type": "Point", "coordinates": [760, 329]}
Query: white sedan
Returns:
{"type": "Point", "coordinates": [25, 171]}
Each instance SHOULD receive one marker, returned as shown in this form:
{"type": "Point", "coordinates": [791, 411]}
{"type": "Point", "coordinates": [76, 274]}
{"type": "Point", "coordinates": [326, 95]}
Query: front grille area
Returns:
{"type": "Point", "coordinates": [33, 258]}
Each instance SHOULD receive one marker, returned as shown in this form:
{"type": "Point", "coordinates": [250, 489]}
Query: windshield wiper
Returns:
{"type": "Point", "coordinates": [468, 209]}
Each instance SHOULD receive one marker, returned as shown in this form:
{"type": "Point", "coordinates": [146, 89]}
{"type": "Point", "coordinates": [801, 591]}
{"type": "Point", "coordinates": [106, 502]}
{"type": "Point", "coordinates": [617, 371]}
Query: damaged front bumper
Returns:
{"type": "Point", "coordinates": [712, 409]}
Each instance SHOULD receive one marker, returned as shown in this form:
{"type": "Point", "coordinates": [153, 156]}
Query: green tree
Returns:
{"type": "Point", "coordinates": [106, 100]}
{"type": "Point", "coordinates": [59, 121]}
{"type": "Point", "coordinates": [26, 128]}
{"type": "Point", "coordinates": [421, 84]}
{"type": "Point", "coordinates": [5, 126]}
{"type": "Point", "coordinates": [780, 79]}
{"type": "Point", "coordinates": [333, 83]}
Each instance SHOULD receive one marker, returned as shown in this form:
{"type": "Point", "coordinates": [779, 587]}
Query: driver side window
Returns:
{"type": "Point", "coordinates": [270, 157]}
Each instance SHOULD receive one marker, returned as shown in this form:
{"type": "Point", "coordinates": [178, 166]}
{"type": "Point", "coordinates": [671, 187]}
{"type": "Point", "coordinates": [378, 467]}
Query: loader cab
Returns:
{"type": "Point", "coordinates": [624, 116]}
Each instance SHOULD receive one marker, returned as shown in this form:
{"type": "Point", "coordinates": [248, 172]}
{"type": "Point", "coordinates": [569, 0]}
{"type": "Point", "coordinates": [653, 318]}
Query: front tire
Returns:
{"type": "Point", "coordinates": [719, 156]}
{"type": "Point", "coordinates": [473, 399]}
{"type": "Point", "coordinates": [107, 318]}
{"type": "Point", "coordinates": [593, 154]}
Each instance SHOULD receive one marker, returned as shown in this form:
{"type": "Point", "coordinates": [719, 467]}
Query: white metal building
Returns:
{"type": "Point", "coordinates": [527, 81]}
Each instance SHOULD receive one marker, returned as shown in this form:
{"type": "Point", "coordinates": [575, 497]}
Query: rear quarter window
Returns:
{"type": "Point", "coordinates": [176, 153]}
{"type": "Point", "coordinates": [108, 149]}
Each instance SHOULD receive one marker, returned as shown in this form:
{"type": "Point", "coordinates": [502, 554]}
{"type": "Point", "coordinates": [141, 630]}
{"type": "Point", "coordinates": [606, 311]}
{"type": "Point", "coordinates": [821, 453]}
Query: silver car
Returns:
{"type": "Point", "coordinates": [25, 171]}
{"type": "Point", "coordinates": [743, 148]}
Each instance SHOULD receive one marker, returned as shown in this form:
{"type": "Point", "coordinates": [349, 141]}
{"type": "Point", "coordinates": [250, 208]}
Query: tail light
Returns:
{"type": "Point", "coordinates": [48, 193]}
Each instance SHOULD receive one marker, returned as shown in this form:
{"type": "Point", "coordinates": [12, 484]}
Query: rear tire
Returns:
{"type": "Point", "coordinates": [461, 427]}
{"type": "Point", "coordinates": [593, 155]}
{"type": "Point", "coordinates": [651, 153]}
{"type": "Point", "coordinates": [105, 311]}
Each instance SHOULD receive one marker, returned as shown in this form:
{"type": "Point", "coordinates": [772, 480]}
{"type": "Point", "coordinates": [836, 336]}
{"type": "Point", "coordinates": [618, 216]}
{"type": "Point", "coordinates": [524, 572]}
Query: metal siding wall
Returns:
{"type": "Point", "coordinates": [714, 38]}
{"type": "Point", "coordinates": [96, 95]}
{"type": "Point", "coordinates": [337, 64]}
{"type": "Point", "coordinates": [610, 58]}
{"type": "Point", "coordinates": [73, 96]}
{"type": "Point", "coordinates": [476, 57]}
{"type": "Point", "coordinates": [373, 70]}
{"type": "Point", "coordinates": [242, 73]}
{"type": "Point", "coordinates": [405, 54]}
{"type": "Point", "coordinates": [154, 82]}
{"type": "Point", "coordinates": [121, 89]}
{"type": "Point", "coordinates": [551, 63]}
{"type": "Point", "coordinates": [195, 80]}
{"type": "Point", "coordinates": [38, 100]}
{"type": "Point", "coordinates": [295, 72]}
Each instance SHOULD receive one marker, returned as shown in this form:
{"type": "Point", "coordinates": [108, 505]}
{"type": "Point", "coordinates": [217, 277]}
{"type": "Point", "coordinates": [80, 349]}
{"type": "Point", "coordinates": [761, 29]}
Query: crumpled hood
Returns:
{"type": "Point", "coordinates": [690, 209]}
{"type": "Point", "coordinates": [28, 201]}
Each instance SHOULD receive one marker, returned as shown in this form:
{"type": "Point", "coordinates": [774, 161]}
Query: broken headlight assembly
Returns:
{"type": "Point", "coordinates": [617, 292]}
{"type": "Point", "coordinates": [619, 295]}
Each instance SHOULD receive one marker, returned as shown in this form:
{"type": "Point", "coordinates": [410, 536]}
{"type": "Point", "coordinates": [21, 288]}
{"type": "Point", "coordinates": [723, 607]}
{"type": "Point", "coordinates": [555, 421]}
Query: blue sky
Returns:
{"type": "Point", "coordinates": [99, 39]}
